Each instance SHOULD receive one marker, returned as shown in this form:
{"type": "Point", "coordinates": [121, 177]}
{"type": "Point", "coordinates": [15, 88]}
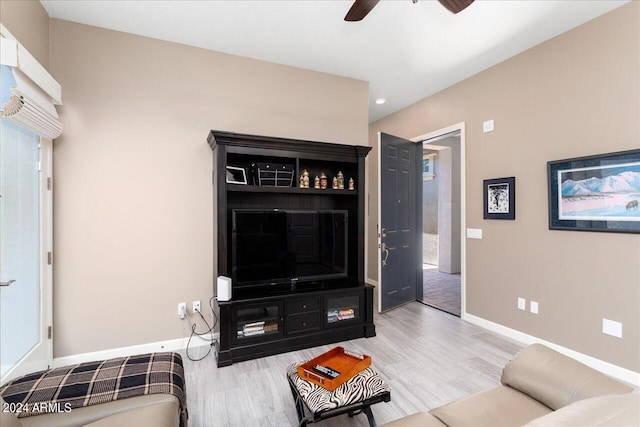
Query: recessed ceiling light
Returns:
{"type": "Point", "coordinates": [380, 101]}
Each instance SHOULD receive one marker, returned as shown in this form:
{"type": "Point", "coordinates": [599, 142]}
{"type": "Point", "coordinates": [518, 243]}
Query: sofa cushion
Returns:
{"type": "Point", "coordinates": [501, 406]}
{"type": "Point", "coordinates": [556, 380]}
{"type": "Point", "coordinates": [620, 410]}
{"type": "Point", "coordinates": [81, 416]}
{"type": "Point", "coordinates": [158, 415]}
{"type": "Point", "coordinates": [8, 419]}
{"type": "Point", "coordinates": [420, 419]}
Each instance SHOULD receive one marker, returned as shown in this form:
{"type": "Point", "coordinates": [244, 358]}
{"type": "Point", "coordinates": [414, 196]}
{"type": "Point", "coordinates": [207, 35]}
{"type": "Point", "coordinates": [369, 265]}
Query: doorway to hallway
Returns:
{"type": "Point", "coordinates": [441, 222]}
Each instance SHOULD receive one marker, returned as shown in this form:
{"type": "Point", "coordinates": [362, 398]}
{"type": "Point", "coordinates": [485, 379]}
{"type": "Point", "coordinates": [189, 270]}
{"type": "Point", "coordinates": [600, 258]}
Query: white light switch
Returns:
{"type": "Point", "coordinates": [522, 304]}
{"type": "Point", "coordinates": [474, 233]}
{"type": "Point", "coordinates": [533, 307]}
{"type": "Point", "coordinates": [487, 126]}
{"type": "Point", "coordinates": [611, 327]}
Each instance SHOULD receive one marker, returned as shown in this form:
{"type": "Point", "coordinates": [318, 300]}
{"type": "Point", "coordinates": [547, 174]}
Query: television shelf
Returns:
{"type": "Point", "coordinates": [289, 190]}
{"type": "Point", "coordinates": [266, 319]}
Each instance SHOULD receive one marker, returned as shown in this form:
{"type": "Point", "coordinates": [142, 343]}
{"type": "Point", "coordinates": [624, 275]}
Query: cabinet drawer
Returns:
{"type": "Point", "coordinates": [303, 323]}
{"type": "Point", "coordinates": [303, 305]}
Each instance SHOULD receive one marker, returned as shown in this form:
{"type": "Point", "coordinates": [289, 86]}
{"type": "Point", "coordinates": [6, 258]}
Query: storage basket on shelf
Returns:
{"type": "Point", "coordinates": [273, 174]}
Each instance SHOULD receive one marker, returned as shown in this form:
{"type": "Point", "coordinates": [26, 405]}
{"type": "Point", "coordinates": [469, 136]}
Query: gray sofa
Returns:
{"type": "Point", "coordinates": [158, 410]}
{"type": "Point", "coordinates": [540, 388]}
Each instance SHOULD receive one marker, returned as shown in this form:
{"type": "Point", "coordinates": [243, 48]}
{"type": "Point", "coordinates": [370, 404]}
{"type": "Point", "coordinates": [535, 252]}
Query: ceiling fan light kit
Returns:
{"type": "Point", "coordinates": [361, 8]}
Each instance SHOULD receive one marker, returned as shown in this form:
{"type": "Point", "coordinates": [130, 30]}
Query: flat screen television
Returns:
{"type": "Point", "coordinates": [286, 246]}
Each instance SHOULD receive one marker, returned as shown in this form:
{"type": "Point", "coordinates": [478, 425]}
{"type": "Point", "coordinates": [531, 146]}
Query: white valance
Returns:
{"type": "Point", "coordinates": [33, 92]}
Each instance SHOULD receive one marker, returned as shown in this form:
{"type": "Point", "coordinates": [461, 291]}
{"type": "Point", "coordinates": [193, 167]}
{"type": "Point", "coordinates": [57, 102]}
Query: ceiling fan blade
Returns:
{"type": "Point", "coordinates": [360, 9]}
{"type": "Point", "coordinates": [456, 6]}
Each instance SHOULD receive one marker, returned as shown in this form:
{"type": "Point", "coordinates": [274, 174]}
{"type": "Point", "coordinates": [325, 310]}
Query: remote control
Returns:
{"type": "Point", "coordinates": [327, 371]}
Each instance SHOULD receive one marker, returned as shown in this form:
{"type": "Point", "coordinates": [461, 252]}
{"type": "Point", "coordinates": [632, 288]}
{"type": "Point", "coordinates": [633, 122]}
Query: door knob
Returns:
{"type": "Point", "coordinates": [7, 283]}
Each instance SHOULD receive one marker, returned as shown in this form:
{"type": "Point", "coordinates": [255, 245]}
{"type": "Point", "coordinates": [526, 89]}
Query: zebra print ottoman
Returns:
{"type": "Point", "coordinates": [354, 396]}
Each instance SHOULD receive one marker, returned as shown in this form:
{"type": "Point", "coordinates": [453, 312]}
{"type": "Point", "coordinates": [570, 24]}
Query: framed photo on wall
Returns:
{"type": "Point", "coordinates": [499, 196]}
{"type": "Point", "coordinates": [595, 193]}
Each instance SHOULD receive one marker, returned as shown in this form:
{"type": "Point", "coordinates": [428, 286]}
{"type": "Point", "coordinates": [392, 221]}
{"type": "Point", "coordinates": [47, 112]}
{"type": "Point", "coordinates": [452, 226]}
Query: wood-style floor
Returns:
{"type": "Point", "coordinates": [428, 358]}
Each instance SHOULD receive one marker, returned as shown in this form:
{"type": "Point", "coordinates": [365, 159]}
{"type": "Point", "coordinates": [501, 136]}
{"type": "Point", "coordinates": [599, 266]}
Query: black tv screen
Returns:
{"type": "Point", "coordinates": [281, 246]}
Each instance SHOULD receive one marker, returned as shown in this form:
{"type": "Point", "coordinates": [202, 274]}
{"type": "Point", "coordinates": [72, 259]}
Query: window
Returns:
{"type": "Point", "coordinates": [428, 166]}
{"type": "Point", "coordinates": [25, 213]}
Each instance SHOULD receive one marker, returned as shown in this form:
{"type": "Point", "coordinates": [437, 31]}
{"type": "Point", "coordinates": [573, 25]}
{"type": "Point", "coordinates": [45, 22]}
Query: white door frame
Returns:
{"type": "Point", "coordinates": [463, 244]}
{"type": "Point", "coordinates": [378, 225]}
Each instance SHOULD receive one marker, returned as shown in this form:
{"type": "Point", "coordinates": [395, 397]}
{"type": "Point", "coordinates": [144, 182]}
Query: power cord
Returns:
{"type": "Point", "coordinates": [201, 335]}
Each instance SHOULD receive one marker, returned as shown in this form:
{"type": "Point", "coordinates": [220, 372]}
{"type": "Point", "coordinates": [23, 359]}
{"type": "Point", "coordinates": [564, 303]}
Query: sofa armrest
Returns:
{"type": "Point", "coordinates": [7, 419]}
{"type": "Point", "coordinates": [420, 419]}
{"type": "Point", "coordinates": [603, 411]}
{"type": "Point", "coordinates": [82, 416]}
{"type": "Point", "coordinates": [556, 380]}
{"type": "Point", "coordinates": [158, 415]}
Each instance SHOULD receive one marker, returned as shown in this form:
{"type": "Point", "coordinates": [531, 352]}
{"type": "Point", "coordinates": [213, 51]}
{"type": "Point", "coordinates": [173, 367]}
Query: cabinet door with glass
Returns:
{"type": "Point", "coordinates": [342, 309]}
{"type": "Point", "coordinates": [258, 321]}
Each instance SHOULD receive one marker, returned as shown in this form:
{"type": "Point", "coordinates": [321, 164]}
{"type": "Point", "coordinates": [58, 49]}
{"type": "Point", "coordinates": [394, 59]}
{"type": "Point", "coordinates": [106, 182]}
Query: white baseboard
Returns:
{"type": "Point", "coordinates": [169, 345]}
{"type": "Point", "coordinates": [607, 368]}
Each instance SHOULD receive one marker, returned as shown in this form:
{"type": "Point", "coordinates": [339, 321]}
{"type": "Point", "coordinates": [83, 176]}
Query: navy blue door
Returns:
{"type": "Point", "coordinates": [400, 236]}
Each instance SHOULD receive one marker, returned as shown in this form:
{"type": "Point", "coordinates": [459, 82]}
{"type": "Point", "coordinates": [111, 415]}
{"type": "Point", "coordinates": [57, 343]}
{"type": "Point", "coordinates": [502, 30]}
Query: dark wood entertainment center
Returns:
{"type": "Point", "coordinates": [265, 320]}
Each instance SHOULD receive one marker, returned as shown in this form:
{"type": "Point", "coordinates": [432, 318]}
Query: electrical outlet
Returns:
{"type": "Point", "coordinates": [196, 306]}
{"type": "Point", "coordinates": [522, 304]}
{"type": "Point", "coordinates": [533, 307]}
{"type": "Point", "coordinates": [182, 309]}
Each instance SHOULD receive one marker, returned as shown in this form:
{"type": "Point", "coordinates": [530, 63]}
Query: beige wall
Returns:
{"type": "Point", "coordinates": [133, 201]}
{"type": "Point", "coordinates": [575, 95]}
{"type": "Point", "coordinates": [28, 22]}
{"type": "Point", "coordinates": [133, 196]}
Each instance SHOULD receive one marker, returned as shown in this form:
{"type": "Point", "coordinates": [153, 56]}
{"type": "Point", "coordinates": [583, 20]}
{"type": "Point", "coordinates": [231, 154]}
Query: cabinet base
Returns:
{"type": "Point", "coordinates": [240, 354]}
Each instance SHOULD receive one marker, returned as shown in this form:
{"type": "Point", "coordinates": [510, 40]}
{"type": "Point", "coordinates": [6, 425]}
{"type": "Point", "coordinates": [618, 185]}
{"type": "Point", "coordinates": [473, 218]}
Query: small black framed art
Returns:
{"type": "Point", "coordinates": [499, 197]}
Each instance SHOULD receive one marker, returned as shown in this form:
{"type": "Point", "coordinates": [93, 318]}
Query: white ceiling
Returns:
{"type": "Point", "coordinates": [405, 51]}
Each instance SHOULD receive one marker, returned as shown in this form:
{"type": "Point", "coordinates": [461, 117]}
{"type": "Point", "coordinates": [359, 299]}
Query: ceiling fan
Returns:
{"type": "Point", "coordinates": [361, 8]}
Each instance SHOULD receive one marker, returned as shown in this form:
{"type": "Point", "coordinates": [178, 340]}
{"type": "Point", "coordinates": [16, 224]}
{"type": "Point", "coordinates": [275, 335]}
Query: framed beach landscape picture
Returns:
{"type": "Point", "coordinates": [595, 193]}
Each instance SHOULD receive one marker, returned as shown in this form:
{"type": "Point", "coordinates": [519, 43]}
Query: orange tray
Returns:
{"type": "Point", "coordinates": [348, 364]}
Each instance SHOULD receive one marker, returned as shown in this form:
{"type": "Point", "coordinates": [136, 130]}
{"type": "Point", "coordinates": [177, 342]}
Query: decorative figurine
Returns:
{"type": "Point", "coordinates": [340, 181]}
{"type": "Point", "coordinates": [323, 181]}
{"type": "Point", "coordinates": [301, 180]}
{"type": "Point", "coordinates": [334, 183]}
{"type": "Point", "coordinates": [352, 185]}
{"type": "Point", "coordinates": [316, 182]}
{"type": "Point", "coordinates": [305, 178]}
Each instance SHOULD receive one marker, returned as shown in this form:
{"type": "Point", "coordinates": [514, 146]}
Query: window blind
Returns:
{"type": "Point", "coordinates": [32, 93]}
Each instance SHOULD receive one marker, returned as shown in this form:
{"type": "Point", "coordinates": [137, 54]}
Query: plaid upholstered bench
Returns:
{"type": "Point", "coordinates": [146, 389]}
{"type": "Point", "coordinates": [353, 397]}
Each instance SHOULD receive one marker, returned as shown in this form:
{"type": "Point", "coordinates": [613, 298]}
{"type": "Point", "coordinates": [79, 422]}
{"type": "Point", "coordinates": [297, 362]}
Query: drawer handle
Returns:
{"type": "Point", "coordinates": [304, 305]}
